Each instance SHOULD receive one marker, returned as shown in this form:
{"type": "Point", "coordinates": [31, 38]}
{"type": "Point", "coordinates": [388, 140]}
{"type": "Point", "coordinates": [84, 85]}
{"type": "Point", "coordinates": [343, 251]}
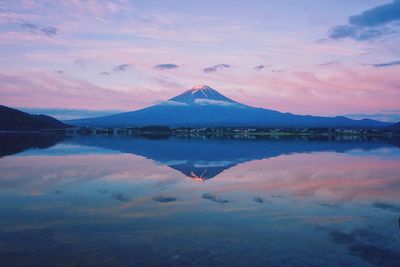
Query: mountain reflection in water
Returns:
{"type": "Point", "coordinates": [198, 158]}
{"type": "Point", "coordinates": [127, 201]}
{"type": "Point", "coordinates": [204, 158]}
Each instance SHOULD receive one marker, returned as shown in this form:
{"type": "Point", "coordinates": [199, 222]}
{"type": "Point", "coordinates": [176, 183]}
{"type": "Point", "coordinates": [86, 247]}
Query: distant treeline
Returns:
{"type": "Point", "coordinates": [160, 131]}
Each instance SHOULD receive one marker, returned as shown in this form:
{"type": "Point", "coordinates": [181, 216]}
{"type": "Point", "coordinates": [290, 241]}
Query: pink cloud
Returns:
{"type": "Point", "coordinates": [38, 89]}
{"type": "Point", "coordinates": [338, 89]}
{"type": "Point", "coordinates": [101, 32]}
{"type": "Point", "coordinates": [323, 176]}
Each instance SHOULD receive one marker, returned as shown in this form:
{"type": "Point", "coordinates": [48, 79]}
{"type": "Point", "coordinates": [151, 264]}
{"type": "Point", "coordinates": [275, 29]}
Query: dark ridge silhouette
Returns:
{"type": "Point", "coordinates": [13, 119]}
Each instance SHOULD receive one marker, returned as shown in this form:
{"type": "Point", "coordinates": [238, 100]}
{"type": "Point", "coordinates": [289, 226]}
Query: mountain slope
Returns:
{"type": "Point", "coordinates": [395, 126]}
{"type": "Point", "coordinates": [13, 119]}
{"type": "Point", "coordinates": [204, 106]}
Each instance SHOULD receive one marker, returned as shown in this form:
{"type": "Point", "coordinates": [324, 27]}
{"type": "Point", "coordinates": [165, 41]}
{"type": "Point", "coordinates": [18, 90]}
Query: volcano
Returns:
{"type": "Point", "coordinates": [203, 106]}
{"type": "Point", "coordinates": [202, 94]}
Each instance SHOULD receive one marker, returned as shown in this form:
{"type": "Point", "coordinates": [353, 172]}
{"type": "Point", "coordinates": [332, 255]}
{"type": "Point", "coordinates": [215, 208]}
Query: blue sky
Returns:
{"type": "Point", "coordinates": [307, 57]}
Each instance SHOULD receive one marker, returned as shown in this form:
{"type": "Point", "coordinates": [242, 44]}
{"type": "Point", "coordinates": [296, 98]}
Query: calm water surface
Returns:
{"type": "Point", "coordinates": [124, 201]}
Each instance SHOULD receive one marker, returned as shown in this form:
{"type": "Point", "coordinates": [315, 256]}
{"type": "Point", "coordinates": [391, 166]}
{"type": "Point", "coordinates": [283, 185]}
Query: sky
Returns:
{"type": "Point", "coordinates": [85, 58]}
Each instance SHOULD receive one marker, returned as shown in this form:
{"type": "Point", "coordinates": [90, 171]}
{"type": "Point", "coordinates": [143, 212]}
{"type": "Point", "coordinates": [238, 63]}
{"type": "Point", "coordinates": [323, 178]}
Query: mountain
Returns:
{"type": "Point", "coordinates": [13, 119]}
{"type": "Point", "coordinates": [395, 126]}
{"type": "Point", "coordinates": [204, 106]}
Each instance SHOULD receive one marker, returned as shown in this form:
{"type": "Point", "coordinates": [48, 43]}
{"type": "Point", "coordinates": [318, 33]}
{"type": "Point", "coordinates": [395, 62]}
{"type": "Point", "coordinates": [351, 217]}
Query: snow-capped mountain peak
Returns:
{"type": "Point", "coordinates": [201, 94]}
{"type": "Point", "coordinates": [201, 88]}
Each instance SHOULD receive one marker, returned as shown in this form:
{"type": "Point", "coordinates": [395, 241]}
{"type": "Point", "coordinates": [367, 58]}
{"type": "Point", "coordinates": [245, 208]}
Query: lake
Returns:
{"type": "Point", "coordinates": [130, 201]}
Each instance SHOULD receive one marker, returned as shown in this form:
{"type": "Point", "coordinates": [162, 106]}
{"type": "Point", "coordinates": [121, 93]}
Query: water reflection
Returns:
{"type": "Point", "coordinates": [123, 201]}
{"type": "Point", "coordinates": [12, 143]}
{"type": "Point", "coordinates": [203, 159]}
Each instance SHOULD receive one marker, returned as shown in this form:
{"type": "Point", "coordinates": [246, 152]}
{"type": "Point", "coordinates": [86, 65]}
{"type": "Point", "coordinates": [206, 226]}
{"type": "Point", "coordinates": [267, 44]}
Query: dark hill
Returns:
{"type": "Point", "coordinates": [13, 119]}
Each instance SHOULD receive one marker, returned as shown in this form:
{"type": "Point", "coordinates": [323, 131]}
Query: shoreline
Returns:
{"type": "Point", "coordinates": [218, 132]}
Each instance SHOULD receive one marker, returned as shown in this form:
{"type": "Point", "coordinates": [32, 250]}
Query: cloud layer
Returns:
{"type": "Point", "coordinates": [378, 15]}
{"type": "Point", "coordinates": [213, 102]}
{"type": "Point", "coordinates": [166, 66]}
{"type": "Point", "coordinates": [116, 55]}
{"type": "Point", "coordinates": [387, 64]}
{"type": "Point", "coordinates": [68, 114]}
{"type": "Point", "coordinates": [121, 68]}
{"type": "Point", "coordinates": [370, 24]}
{"type": "Point", "coordinates": [216, 68]}
{"type": "Point", "coordinates": [48, 31]}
